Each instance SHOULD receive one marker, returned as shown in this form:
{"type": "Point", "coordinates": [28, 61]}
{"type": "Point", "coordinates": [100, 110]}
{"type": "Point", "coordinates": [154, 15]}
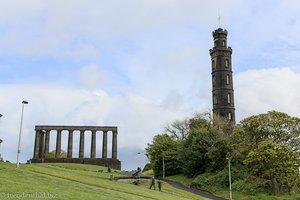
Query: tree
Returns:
{"type": "Point", "coordinates": [222, 124]}
{"type": "Point", "coordinates": [273, 126]}
{"type": "Point", "coordinates": [205, 147]}
{"type": "Point", "coordinates": [207, 121]}
{"type": "Point", "coordinates": [273, 162]}
{"type": "Point", "coordinates": [204, 121]}
{"type": "Point", "coordinates": [241, 145]}
{"type": "Point", "coordinates": [167, 147]}
{"type": "Point", "coordinates": [268, 145]}
{"type": "Point", "coordinates": [178, 129]}
{"type": "Point", "coordinates": [193, 145]}
{"type": "Point", "coordinates": [203, 150]}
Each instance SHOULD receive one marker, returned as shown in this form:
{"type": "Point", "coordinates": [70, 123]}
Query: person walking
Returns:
{"type": "Point", "coordinates": [152, 183]}
{"type": "Point", "coordinates": [159, 183]}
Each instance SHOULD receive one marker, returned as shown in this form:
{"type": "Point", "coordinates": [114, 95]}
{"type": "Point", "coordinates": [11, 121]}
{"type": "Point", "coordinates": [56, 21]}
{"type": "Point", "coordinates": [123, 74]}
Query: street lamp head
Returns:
{"type": "Point", "coordinates": [24, 102]}
{"type": "Point", "coordinates": [1, 115]}
{"type": "Point", "coordinates": [1, 141]}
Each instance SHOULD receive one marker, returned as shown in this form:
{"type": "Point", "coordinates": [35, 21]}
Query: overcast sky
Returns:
{"type": "Point", "coordinates": [138, 65]}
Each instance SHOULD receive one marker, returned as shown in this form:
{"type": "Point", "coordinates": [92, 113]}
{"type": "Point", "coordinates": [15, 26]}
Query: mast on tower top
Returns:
{"type": "Point", "coordinates": [219, 18]}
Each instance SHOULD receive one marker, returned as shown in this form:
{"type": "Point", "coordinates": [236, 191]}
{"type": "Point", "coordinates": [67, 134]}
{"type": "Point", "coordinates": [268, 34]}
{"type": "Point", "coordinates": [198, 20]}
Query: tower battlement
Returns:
{"type": "Point", "coordinates": [215, 49]}
{"type": "Point", "coordinates": [220, 39]}
{"type": "Point", "coordinates": [218, 32]}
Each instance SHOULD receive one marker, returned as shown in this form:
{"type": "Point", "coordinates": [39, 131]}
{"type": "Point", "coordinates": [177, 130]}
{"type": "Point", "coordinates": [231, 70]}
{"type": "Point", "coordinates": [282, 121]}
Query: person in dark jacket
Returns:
{"type": "Point", "coordinates": [152, 183]}
{"type": "Point", "coordinates": [159, 183]}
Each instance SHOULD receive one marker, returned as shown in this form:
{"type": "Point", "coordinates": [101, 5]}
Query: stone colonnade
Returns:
{"type": "Point", "coordinates": [42, 140]}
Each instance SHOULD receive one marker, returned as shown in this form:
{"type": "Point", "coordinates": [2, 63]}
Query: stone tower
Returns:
{"type": "Point", "coordinates": [222, 84]}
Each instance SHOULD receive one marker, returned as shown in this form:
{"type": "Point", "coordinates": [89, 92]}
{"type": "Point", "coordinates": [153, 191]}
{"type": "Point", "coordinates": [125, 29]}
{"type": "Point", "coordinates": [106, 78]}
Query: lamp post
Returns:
{"type": "Point", "coordinates": [139, 153]}
{"type": "Point", "coordinates": [0, 149]}
{"type": "Point", "coordinates": [298, 165]}
{"type": "Point", "coordinates": [0, 142]}
{"type": "Point", "coordinates": [163, 154]}
{"type": "Point", "coordinates": [19, 143]}
{"type": "Point", "coordinates": [229, 173]}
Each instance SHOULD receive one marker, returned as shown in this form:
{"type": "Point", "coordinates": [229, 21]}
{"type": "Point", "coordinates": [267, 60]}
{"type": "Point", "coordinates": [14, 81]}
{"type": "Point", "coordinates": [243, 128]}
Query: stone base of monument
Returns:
{"type": "Point", "coordinates": [106, 162]}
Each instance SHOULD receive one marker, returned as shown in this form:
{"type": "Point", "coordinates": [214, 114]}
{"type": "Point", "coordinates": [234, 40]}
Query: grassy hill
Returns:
{"type": "Point", "coordinates": [224, 192]}
{"type": "Point", "coordinates": [75, 181]}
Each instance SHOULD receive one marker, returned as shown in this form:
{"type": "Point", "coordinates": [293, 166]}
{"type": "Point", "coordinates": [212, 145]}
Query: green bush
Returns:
{"type": "Point", "coordinates": [147, 167]}
{"type": "Point", "coordinates": [211, 182]}
{"type": "Point", "coordinates": [248, 186]}
{"type": "Point", "coordinates": [296, 188]}
{"type": "Point", "coordinates": [217, 181]}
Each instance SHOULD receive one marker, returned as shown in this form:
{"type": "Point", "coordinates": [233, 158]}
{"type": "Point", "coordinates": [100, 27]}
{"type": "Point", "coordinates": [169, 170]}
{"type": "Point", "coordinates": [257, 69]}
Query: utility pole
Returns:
{"type": "Point", "coordinates": [19, 143]}
{"type": "Point", "coordinates": [163, 154]}
{"type": "Point", "coordinates": [229, 173]}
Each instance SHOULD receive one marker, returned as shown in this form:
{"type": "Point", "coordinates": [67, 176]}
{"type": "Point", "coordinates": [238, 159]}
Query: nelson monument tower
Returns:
{"type": "Point", "coordinates": [222, 84]}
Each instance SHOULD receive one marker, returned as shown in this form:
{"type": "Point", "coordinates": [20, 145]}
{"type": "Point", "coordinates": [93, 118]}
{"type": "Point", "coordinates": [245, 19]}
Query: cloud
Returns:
{"type": "Point", "coordinates": [139, 64]}
{"type": "Point", "coordinates": [91, 76]}
{"type": "Point", "coordinates": [259, 37]}
{"type": "Point", "coordinates": [137, 117]}
{"type": "Point", "coordinates": [258, 91]}
{"type": "Point", "coordinates": [52, 29]}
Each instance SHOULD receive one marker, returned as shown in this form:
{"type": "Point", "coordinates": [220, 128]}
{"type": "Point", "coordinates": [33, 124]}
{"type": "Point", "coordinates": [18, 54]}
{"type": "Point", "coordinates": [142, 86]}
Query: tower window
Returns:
{"type": "Point", "coordinates": [213, 64]}
{"type": "Point", "coordinates": [229, 116]}
{"type": "Point", "coordinates": [213, 80]}
{"type": "Point", "coordinates": [216, 43]}
{"type": "Point", "coordinates": [227, 79]}
{"type": "Point", "coordinates": [226, 63]}
{"type": "Point", "coordinates": [215, 101]}
{"type": "Point", "coordinates": [223, 43]}
{"type": "Point", "coordinates": [228, 98]}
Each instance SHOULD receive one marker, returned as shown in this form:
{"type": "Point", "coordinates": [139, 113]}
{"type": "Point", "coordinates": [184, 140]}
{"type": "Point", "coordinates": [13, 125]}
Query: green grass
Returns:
{"type": "Point", "coordinates": [221, 192]}
{"type": "Point", "coordinates": [181, 179]}
{"type": "Point", "coordinates": [149, 172]}
{"type": "Point", "coordinates": [76, 181]}
{"type": "Point", "coordinates": [240, 196]}
{"type": "Point", "coordinates": [171, 190]}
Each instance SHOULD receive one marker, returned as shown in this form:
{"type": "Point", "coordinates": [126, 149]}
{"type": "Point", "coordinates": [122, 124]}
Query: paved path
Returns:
{"type": "Point", "coordinates": [198, 192]}
{"type": "Point", "coordinates": [179, 186]}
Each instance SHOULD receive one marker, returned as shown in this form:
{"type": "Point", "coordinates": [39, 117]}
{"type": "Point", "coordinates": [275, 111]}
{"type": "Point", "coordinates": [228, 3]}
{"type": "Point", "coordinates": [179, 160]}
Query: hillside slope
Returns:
{"type": "Point", "coordinates": [73, 181]}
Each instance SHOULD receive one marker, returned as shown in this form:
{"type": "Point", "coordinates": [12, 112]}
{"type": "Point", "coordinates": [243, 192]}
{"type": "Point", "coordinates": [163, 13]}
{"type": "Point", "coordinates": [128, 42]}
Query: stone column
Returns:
{"type": "Point", "coordinates": [104, 145]}
{"type": "Point", "coordinates": [47, 141]}
{"type": "Point", "coordinates": [42, 144]}
{"type": "Point", "coordinates": [114, 145]}
{"type": "Point", "coordinates": [81, 144]}
{"type": "Point", "coordinates": [70, 144]}
{"type": "Point", "coordinates": [93, 145]}
{"type": "Point", "coordinates": [58, 144]}
{"type": "Point", "coordinates": [36, 144]}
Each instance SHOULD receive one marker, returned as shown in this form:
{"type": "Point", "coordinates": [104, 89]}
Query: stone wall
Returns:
{"type": "Point", "coordinates": [106, 162]}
